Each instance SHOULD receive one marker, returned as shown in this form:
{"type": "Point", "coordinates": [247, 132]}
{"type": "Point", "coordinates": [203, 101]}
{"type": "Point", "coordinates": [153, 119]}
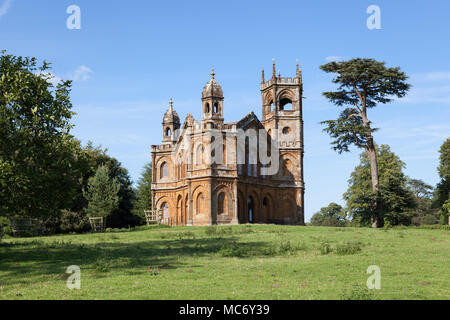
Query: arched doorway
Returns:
{"type": "Point", "coordinates": [251, 209]}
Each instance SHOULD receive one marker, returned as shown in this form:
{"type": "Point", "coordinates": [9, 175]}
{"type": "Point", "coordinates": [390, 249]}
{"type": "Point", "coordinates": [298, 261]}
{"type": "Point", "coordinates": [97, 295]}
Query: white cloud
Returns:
{"type": "Point", "coordinates": [4, 7]}
{"type": "Point", "coordinates": [51, 78]}
{"type": "Point", "coordinates": [82, 73]}
{"type": "Point", "coordinates": [333, 58]}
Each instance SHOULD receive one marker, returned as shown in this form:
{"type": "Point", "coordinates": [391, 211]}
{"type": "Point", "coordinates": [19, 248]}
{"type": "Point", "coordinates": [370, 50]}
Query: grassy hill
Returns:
{"type": "Point", "coordinates": [239, 262]}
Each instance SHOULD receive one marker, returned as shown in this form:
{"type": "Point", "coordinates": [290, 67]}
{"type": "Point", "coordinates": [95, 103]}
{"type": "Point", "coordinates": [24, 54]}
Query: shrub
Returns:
{"type": "Point", "coordinates": [74, 221]}
{"type": "Point", "coordinates": [5, 223]}
{"type": "Point", "coordinates": [429, 219]}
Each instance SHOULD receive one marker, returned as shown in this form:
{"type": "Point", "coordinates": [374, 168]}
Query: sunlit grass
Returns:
{"type": "Point", "coordinates": [239, 262]}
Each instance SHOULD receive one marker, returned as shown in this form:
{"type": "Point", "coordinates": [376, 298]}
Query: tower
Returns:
{"type": "Point", "coordinates": [170, 124]}
{"type": "Point", "coordinates": [282, 117]}
{"type": "Point", "coordinates": [212, 103]}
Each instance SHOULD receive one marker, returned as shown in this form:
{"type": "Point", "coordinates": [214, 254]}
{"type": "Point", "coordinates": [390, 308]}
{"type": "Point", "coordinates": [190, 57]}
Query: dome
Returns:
{"type": "Point", "coordinates": [171, 115]}
{"type": "Point", "coordinates": [212, 88]}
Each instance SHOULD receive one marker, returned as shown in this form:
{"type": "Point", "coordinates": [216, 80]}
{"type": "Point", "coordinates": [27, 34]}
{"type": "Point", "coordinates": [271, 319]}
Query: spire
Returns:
{"type": "Point", "coordinates": [212, 74]}
{"type": "Point", "coordinates": [273, 69]}
{"type": "Point", "coordinates": [171, 105]}
{"type": "Point", "coordinates": [262, 76]}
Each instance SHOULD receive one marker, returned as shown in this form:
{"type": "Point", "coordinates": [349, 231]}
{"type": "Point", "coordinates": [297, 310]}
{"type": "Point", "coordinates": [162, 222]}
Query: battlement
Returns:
{"type": "Point", "coordinates": [283, 80]}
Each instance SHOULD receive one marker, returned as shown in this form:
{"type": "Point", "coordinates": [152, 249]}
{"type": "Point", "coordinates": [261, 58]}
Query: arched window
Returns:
{"type": "Point", "coordinates": [271, 105]}
{"type": "Point", "coordinates": [168, 132]}
{"type": "Point", "coordinates": [200, 159]}
{"type": "Point", "coordinates": [165, 210]}
{"type": "Point", "coordinates": [207, 107]}
{"type": "Point", "coordinates": [164, 171]}
{"type": "Point", "coordinates": [216, 107]}
{"type": "Point", "coordinates": [286, 104]}
{"type": "Point", "coordinates": [222, 203]}
{"type": "Point", "coordinates": [251, 209]}
{"type": "Point", "coordinates": [200, 203]}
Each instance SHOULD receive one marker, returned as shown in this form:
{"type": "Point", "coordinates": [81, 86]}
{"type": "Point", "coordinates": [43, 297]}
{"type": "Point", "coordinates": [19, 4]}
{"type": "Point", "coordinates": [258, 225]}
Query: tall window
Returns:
{"type": "Point", "coordinates": [164, 170]}
{"type": "Point", "coordinates": [222, 203]}
{"type": "Point", "coordinates": [201, 155]}
{"type": "Point", "coordinates": [200, 203]}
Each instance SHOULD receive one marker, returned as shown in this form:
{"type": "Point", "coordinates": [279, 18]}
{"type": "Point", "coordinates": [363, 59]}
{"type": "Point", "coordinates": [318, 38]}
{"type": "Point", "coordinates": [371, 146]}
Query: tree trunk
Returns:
{"type": "Point", "coordinates": [377, 221]}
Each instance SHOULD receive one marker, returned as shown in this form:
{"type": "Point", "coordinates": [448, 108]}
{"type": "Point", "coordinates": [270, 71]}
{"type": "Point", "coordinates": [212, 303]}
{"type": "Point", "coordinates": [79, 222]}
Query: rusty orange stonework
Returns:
{"type": "Point", "coordinates": [190, 189]}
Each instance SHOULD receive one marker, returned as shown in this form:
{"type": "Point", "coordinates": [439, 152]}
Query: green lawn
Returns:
{"type": "Point", "coordinates": [239, 262]}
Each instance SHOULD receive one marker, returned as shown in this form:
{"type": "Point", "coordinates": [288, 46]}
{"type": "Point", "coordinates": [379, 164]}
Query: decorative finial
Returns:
{"type": "Point", "coordinates": [262, 76]}
{"type": "Point", "coordinates": [273, 68]}
{"type": "Point", "coordinates": [171, 104]}
{"type": "Point", "coordinates": [298, 70]}
{"type": "Point", "coordinates": [212, 74]}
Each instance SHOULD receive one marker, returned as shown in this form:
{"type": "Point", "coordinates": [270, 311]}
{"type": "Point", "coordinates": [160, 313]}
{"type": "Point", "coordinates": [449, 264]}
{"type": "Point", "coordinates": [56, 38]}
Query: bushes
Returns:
{"type": "Point", "coordinates": [73, 221]}
{"type": "Point", "coordinates": [429, 219]}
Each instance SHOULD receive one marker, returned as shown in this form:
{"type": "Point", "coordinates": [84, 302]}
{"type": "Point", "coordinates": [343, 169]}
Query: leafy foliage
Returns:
{"type": "Point", "coordinates": [362, 84]}
{"type": "Point", "coordinates": [143, 199]}
{"type": "Point", "coordinates": [394, 198]}
{"type": "Point", "coordinates": [102, 194]}
{"type": "Point", "coordinates": [332, 216]}
{"type": "Point", "coordinates": [442, 191]}
{"type": "Point", "coordinates": [36, 155]}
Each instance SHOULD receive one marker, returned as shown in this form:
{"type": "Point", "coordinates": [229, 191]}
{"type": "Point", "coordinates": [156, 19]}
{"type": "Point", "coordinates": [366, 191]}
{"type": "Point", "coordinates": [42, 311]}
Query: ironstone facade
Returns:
{"type": "Point", "coordinates": [210, 172]}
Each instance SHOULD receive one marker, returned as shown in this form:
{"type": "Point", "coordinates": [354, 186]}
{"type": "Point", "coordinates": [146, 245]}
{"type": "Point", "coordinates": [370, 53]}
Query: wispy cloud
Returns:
{"type": "Point", "coordinates": [82, 73]}
{"type": "Point", "coordinates": [4, 7]}
{"type": "Point", "coordinates": [333, 58]}
{"type": "Point", "coordinates": [429, 87]}
{"type": "Point", "coordinates": [431, 76]}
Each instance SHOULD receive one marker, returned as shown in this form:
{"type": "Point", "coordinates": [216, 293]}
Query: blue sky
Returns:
{"type": "Point", "coordinates": [130, 57]}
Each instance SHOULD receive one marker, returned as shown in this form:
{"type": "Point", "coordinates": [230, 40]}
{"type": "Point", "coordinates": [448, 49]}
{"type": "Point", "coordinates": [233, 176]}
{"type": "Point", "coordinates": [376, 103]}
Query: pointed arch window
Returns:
{"type": "Point", "coordinates": [164, 171]}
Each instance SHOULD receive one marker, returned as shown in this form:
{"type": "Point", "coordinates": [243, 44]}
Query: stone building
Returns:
{"type": "Point", "coordinates": [210, 171]}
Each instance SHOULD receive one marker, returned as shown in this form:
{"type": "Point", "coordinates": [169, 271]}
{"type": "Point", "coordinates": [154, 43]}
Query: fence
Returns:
{"type": "Point", "coordinates": [26, 227]}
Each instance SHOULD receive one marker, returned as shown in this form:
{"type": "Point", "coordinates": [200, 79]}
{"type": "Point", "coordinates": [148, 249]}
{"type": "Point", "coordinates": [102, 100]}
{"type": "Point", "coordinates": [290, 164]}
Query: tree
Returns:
{"type": "Point", "coordinates": [363, 83]}
{"type": "Point", "coordinates": [37, 154]}
{"type": "Point", "coordinates": [442, 191]}
{"type": "Point", "coordinates": [332, 216]}
{"type": "Point", "coordinates": [144, 191]}
{"type": "Point", "coordinates": [102, 193]}
{"type": "Point", "coordinates": [422, 196]}
{"type": "Point", "coordinates": [395, 201]}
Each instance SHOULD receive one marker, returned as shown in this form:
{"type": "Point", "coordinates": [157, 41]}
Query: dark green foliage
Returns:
{"type": "Point", "coordinates": [101, 194]}
{"type": "Point", "coordinates": [37, 153]}
{"type": "Point", "coordinates": [363, 83]}
{"type": "Point", "coordinates": [423, 198]}
{"type": "Point", "coordinates": [429, 219]}
{"type": "Point", "coordinates": [395, 200]}
{"type": "Point", "coordinates": [143, 199]}
{"type": "Point", "coordinates": [442, 191]}
{"type": "Point", "coordinates": [74, 221]}
{"type": "Point", "coordinates": [331, 216]}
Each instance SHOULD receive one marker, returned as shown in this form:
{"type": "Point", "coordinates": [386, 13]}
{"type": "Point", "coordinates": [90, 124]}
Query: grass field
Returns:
{"type": "Point", "coordinates": [239, 262]}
